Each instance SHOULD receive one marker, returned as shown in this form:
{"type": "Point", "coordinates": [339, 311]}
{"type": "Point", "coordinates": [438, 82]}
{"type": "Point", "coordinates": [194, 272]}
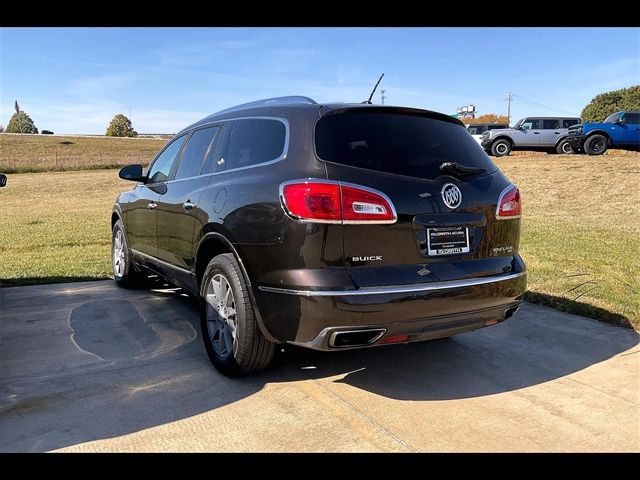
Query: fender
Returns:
{"type": "Point", "coordinates": [247, 279]}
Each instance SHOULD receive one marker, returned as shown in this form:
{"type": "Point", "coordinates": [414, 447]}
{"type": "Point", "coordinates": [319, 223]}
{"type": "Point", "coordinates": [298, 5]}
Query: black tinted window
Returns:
{"type": "Point", "coordinates": [497, 127]}
{"type": "Point", "coordinates": [255, 141]}
{"type": "Point", "coordinates": [477, 130]}
{"type": "Point", "coordinates": [161, 168]}
{"type": "Point", "coordinates": [631, 118]}
{"type": "Point", "coordinates": [396, 143]}
{"type": "Point", "coordinates": [550, 124]}
{"type": "Point", "coordinates": [194, 152]}
{"type": "Point", "coordinates": [568, 122]}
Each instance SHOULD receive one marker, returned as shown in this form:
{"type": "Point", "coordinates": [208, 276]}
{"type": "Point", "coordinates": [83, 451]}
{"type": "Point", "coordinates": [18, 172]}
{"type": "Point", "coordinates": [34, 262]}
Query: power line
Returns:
{"type": "Point", "coordinates": [541, 104]}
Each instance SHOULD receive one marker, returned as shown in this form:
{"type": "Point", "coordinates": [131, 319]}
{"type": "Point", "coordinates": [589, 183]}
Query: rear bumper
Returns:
{"type": "Point", "coordinates": [311, 317]}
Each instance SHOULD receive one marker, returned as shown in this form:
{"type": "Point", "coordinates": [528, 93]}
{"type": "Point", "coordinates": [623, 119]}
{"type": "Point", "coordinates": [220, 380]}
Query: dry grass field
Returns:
{"type": "Point", "coordinates": [580, 230]}
{"type": "Point", "coordinates": [46, 153]}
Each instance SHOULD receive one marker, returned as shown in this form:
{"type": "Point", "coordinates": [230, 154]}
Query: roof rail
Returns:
{"type": "Point", "coordinates": [271, 101]}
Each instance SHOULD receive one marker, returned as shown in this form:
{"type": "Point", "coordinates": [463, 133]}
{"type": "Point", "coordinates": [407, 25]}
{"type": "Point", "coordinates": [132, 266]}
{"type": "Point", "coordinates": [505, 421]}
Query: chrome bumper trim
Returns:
{"type": "Point", "coordinates": [470, 282]}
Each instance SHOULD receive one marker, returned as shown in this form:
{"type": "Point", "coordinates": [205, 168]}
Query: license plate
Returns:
{"type": "Point", "coordinates": [447, 241]}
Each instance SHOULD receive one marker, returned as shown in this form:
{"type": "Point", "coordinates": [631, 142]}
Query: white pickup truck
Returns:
{"type": "Point", "coordinates": [477, 129]}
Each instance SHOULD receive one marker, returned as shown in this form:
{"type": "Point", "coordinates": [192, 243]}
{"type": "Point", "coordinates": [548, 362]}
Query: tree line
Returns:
{"type": "Point", "coordinates": [597, 110]}
{"type": "Point", "coordinates": [20, 122]}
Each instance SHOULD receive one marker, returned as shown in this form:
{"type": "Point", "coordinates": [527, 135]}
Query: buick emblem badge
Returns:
{"type": "Point", "coordinates": [451, 195]}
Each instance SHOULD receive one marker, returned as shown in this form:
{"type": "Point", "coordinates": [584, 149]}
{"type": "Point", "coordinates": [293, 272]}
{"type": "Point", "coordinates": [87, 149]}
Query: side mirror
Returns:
{"type": "Point", "coordinates": [3, 179]}
{"type": "Point", "coordinates": [619, 121]}
{"type": "Point", "coordinates": [133, 173]}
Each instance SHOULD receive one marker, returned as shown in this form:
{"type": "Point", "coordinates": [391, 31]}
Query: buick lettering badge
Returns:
{"type": "Point", "coordinates": [451, 195]}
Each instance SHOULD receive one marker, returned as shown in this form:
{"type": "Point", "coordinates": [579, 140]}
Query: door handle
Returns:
{"type": "Point", "coordinates": [151, 205]}
{"type": "Point", "coordinates": [536, 133]}
{"type": "Point", "coordinates": [556, 133]}
{"type": "Point", "coordinates": [188, 205]}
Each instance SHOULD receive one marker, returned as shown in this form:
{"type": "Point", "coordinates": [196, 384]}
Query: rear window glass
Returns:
{"type": "Point", "coordinates": [397, 143]}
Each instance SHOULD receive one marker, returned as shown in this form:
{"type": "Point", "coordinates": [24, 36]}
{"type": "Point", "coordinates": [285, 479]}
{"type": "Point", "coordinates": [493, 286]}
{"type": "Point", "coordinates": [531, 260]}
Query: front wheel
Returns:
{"type": "Point", "coordinates": [124, 271]}
{"type": "Point", "coordinates": [596, 145]}
{"type": "Point", "coordinates": [233, 340]}
{"type": "Point", "coordinates": [501, 148]}
{"type": "Point", "coordinates": [564, 147]}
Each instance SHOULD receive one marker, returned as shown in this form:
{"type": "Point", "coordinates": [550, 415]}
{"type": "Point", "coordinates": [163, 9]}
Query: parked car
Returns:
{"type": "Point", "coordinates": [619, 130]}
{"type": "Point", "coordinates": [300, 223]}
{"type": "Point", "coordinates": [3, 179]}
{"type": "Point", "coordinates": [477, 129]}
{"type": "Point", "coordinates": [46, 132]}
{"type": "Point", "coordinates": [532, 133]}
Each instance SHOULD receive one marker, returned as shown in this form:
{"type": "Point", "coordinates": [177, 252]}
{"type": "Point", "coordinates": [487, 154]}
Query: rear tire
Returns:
{"type": "Point", "coordinates": [124, 269]}
{"type": "Point", "coordinates": [563, 147]}
{"type": "Point", "coordinates": [596, 145]}
{"type": "Point", "coordinates": [233, 340]}
{"type": "Point", "coordinates": [501, 148]}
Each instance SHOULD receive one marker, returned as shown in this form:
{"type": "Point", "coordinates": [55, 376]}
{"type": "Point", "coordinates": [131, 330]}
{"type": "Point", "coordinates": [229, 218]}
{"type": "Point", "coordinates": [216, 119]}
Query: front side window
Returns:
{"type": "Point", "coordinates": [255, 140]}
{"type": "Point", "coordinates": [159, 171]}
{"type": "Point", "coordinates": [613, 117]}
{"type": "Point", "coordinates": [531, 124]}
{"type": "Point", "coordinates": [195, 152]}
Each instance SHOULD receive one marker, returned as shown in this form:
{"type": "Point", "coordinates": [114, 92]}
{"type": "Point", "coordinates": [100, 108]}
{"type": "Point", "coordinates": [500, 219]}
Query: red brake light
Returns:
{"type": "Point", "coordinates": [313, 200]}
{"type": "Point", "coordinates": [509, 205]}
{"type": "Point", "coordinates": [334, 202]}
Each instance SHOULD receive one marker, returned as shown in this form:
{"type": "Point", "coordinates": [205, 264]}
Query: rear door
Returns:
{"type": "Point", "coordinates": [446, 227]}
{"type": "Point", "coordinates": [551, 131]}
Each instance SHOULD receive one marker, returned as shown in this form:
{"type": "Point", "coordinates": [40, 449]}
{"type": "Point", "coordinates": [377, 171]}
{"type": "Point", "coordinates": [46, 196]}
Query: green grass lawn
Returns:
{"type": "Point", "coordinates": [47, 153]}
{"type": "Point", "coordinates": [580, 230]}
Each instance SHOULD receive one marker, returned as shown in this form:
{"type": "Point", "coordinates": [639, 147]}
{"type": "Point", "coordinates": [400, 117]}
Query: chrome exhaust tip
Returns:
{"type": "Point", "coordinates": [356, 338]}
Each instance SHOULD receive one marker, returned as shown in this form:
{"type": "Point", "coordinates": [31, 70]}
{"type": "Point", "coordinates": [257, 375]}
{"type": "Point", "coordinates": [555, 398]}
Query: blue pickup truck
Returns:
{"type": "Point", "coordinates": [619, 130]}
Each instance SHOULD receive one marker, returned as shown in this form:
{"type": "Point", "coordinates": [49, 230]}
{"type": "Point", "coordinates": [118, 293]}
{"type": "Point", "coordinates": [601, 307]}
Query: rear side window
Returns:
{"type": "Point", "coordinates": [195, 151]}
{"type": "Point", "coordinates": [550, 124]}
{"type": "Point", "coordinates": [398, 143]}
{"type": "Point", "coordinates": [568, 122]}
{"type": "Point", "coordinates": [254, 141]}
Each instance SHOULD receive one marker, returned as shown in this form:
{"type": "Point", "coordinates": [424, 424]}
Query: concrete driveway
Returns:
{"type": "Point", "coordinates": [91, 367]}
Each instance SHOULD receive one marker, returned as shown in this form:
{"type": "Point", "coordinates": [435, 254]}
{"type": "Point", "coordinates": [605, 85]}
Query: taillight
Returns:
{"type": "Point", "coordinates": [326, 201]}
{"type": "Point", "coordinates": [509, 205]}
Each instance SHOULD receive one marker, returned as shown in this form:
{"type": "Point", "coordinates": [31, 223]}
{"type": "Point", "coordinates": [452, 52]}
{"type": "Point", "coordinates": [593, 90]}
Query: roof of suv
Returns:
{"type": "Point", "coordinates": [280, 105]}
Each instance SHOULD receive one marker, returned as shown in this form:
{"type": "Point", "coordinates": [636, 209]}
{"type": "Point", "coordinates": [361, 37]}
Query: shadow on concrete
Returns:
{"type": "Point", "coordinates": [90, 361]}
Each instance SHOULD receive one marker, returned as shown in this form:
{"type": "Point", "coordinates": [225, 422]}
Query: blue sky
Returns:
{"type": "Point", "coordinates": [73, 80]}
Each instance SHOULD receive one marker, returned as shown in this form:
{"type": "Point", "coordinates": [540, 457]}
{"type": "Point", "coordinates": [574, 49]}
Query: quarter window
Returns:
{"type": "Point", "coordinates": [159, 171]}
{"type": "Point", "coordinates": [254, 141]}
{"type": "Point", "coordinates": [569, 122]}
{"type": "Point", "coordinates": [199, 144]}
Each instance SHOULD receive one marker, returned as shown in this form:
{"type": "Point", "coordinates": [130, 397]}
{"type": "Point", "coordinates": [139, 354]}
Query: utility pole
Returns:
{"type": "Point", "coordinates": [382, 92]}
{"type": "Point", "coordinates": [509, 108]}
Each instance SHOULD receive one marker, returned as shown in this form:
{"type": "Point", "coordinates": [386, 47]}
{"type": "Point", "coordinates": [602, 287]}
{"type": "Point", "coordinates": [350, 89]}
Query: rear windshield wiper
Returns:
{"type": "Point", "coordinates": [454, 168]}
